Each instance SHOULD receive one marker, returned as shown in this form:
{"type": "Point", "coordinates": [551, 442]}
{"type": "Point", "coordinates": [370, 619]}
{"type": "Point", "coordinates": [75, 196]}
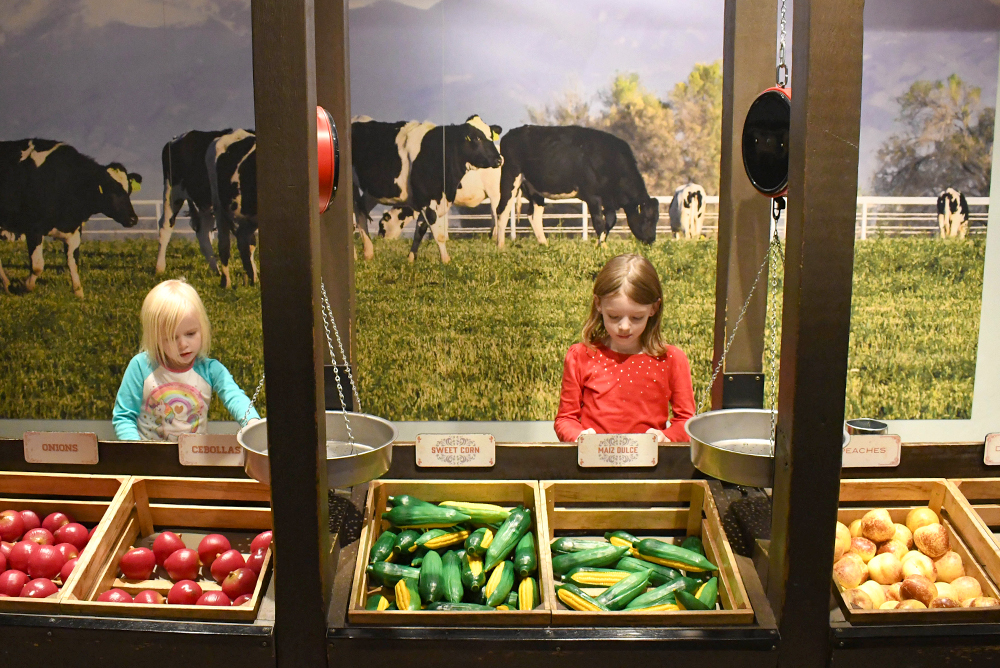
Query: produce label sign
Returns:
{"type": "Point", "coordinates": [209, 450]}
{"type": "Point", "coordinates": [447, 450]}
{"type": "Point", "coordinates": [617, 450]}
{"type": "Point", "coordinates": [992, 455]}
{"type": "Point", "coordinates": [864, 451]}
{"type": "Point", "coordinates": [57, 447]}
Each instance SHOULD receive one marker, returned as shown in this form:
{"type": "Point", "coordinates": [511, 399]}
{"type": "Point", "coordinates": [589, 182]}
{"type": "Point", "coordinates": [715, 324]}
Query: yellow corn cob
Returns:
{"type": "Point", "coordinates": [487, 538]}
{"type": "Point", "coordinates": [392, 555]}
{"type": "Point", "coordinates": [620, 542]}
{"type": "Point", "coordinates": [462, 506]}
{"type": "Point", "coordinates": [447, 540]}
{"type": "Point", "coordinates": [383, 603]}
{"type": "Point", "coordinates": [575, 602]}
{"type": "Point", "coordinates": [666, 562]}
{"type": "Point", "coordinates": [502, 607]}
{"type": "Point", "coordinates": [663, 607]}
{"type": "Point", "coordinates": [495, 577]}
{"type": "Point", "coordinates": [402, 595]}
{"type": "Point", "coordinates": [526, 595]}
{"type": "Point", "coordinates": [697, 593]}
{"type": "Point", "coordinates": [476, 565]}
{"type": "Point", "coordinates": [599, 578]}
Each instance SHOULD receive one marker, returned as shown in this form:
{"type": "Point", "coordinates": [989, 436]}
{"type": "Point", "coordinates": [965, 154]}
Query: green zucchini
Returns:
{"type": "Point", "coordinates": [389, 573]}
{"type": "Point", "coordinates": [621, 538]}
{"type": "Point", "coordinates": [377, 602]}
{"type": "Point", "coordinates": [694, 544]}
{"type": "Point", "coordinates": [658, 552]}
{"type": "Point", "coordinates": [511, 601]}
{"type": "Point", "coordinates": [430, 534]}
{"type": "Point", "coordinates": [418, 557]}
{"type": "Point", "coordinates": [597, 556]}
{"type": "Point", "coordinates": [473, 574]}
{"type": "Point", "coordinates": [405, 544]}
{"type": "Point", "coordinates": [451, 576]}
{"type": "Point", "coordinates": [408, 594]}
{"type": "Point", "coordinates": [661, 574]}
{"type": "Point", "coordinates": [500, 583]}
{"type": "Point", "coordinates": [619, 595]}
{"type": "Point", "coordinates": [708, 593]}
{"type": "Point", "coordinates": [527, 594]}
{"type": "Point", "coordinates": [425, 515]}
{"type": "Point", "coordinates": [478, 541]}
{"type": "Point", "coordinates": [576, 599]}
{"type": "Point", "coordinates": [407, 500]}
{"type": "Point", "coordinates": [525, 558]}
{"type": "Point", "coordinates": [510, 532]}
{"type": "Point", "coordinates": [658, 596]}
{"type": "Point", "coordinates": [566, 544]}
{"type": "Point", "coordinates": [382, 547]}
{"type": "Point", "coordinates": [448, 606]}
{"type": "Point", "coordinates": [430, 581]}
{"type": "Point", "coordinates": [481, 513]}
{"type": "Point", "coordinates": [688, 602]}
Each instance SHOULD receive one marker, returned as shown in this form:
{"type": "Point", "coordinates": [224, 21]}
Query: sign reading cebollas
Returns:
{"type": "Point", "coordinates": [209, 450]}
{"type": "Point", "coordinates": [460, 450]}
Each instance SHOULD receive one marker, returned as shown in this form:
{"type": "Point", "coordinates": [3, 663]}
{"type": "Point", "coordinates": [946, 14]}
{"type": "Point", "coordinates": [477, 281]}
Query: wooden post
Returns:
{"type": "Point", "coordinates": [288, 215]}
{"type": "Point", "coordinates": [822, 201]}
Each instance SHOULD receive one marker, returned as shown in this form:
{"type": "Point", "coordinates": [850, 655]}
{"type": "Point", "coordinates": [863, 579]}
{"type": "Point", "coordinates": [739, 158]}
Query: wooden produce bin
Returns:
{"type": "Point", "coordinates": [506, 493]}
{"type": "Point", "coordinates": [648, 509]}
{"type": "Point", "coordinates": [86, 498]}
{"type": "Point", "coordinates": [182, 505]}
{"type": "Point", "coordinates": [981, 498]}
{"type": "Point", "coordinates": [966, 534]}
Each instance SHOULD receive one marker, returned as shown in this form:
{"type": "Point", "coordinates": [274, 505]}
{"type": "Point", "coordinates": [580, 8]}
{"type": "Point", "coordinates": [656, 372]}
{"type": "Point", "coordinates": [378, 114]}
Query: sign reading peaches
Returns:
{"type": "Point", "coordinates": [869, 451]}
{"type": "Point", "coordinates": [617, 450]}
{"type": "Point", "coordinates": [455, 450]}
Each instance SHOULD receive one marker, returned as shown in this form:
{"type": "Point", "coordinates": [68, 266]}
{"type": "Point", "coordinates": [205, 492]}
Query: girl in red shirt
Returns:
{"type": "Point", "coordinates": [623, 379]}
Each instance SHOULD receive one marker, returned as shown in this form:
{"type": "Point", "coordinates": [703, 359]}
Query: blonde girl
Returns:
{"type": "Point", "coordinates": [622, 377]}
{"type": "Point", "coordinates": [167, 387]}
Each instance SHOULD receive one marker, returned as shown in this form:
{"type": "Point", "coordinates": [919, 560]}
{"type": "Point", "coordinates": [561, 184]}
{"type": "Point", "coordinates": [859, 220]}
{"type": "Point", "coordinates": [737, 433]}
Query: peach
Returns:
{"type": "Point", "coordinates": [877, 526]}
{"type": "Point", "coordinates": [919, 564]}
{"type": "Point", "coordinates": [894, 594]}
{"type": "Point", "coordinates": [848, 573]}
{"type": "Point", "coordinates": [875, 593]}
{"type": "Point", "coordinates": [885, 569]}
{"type": "Point", "coordinates": [932, 540]}
{"type": "Point", "coordinates": [945, 590]}
{"type": "Point", "coordinates": [843, 541]}
{"type": "Point", "coordinates": [919, 517]}
{"type": "Point", "coordinates": [940, 602]}
{"type": "Point", "coordinates": [858, 599]}
{"type": "Point", "coordinates": [949, 566]}
{"type": "Point", "coordinates": [904, 536]}
{"type": "Point", "coordinates": [984, 602]}
{"type": "Point", "coordinates": [893, 547]}
{"type": "Point", "coordinates": [863, 547]}
{"type": "Point", "coordinates": [911, 604]}
{"type": "Point", "coordinates": [889, 605]}
{"type": "Point", "coordinates": [855, 528]}
{"type": "Point", "coordinates": [918, 587]}
{"type": "Point", "coordinates": [967, 587]}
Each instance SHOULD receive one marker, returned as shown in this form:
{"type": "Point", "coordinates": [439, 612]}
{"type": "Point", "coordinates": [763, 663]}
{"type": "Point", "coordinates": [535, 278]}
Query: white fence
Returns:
{"type": "Point", "coordinates": [889, 216]}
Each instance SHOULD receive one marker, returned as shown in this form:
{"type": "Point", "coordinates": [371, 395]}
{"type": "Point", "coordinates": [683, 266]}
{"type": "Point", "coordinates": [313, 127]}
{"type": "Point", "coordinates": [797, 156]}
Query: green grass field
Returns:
{"type": "Point", "coordinates": [483, 337]}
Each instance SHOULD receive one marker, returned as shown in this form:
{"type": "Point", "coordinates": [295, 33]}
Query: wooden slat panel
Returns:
{"type": "Point", "coordinates": [698, 494]}
{"type": "Point", "coordinates": [610, 519]}
{"type": "Point", "coordinates": [603, 491]}
{"type": "Point", "coordinates": [81, 511]}
{"type": "Point", "coordinates": [210, 517]}
{"type": "Point", "coordinates": [207, 489]}
{"type": "Point", "coordinates": [974, 532]}
{"type": "Point", "coordinates": [989, 514]}
{"type": "Point", "coordinates": [903, 489]}
{"type": "Point", "coordinates": [87, 486]}
{"type": "Point", "coordinates": [142, 507]}
{"type": "Point", "coordinates": [975, 489]}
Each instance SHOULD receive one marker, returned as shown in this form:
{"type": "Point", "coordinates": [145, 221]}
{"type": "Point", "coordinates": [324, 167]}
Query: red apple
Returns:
{"type": "Point", "coordinates": [115, 596]}
{"type": "Point", "coordinates": [138, 563]}
{"type": "Point", "coordinates": [166, 544]}
{"type": "Point", "coordinates": [30, 519]}
{"type": "Point", "coordinates": [211, 546]}
{"type": "Point", "coordinates": [68, 550]}
{"type": "Point", "coordinates": [12, 582]}
{"type": "Point", "coordinates": [39, 588]}
{"type": "Point", "coordinates": [149, 597]}
{"type": "Point", "coordinates": [226, 563]}
{"type": "Point", "coordinates": [184, 592]}
{"type": "Point", "coordinates": [45, 562]}
{"type": "Point", "coordinates": [239, 582]}
{"type": "Point", "coordinates": [40, 536]}
{"type": "Point", "coordinates": [5, 548]}
{"type": "Point", "coordinates": [55, 520]}
{"type": "Point", "coordinates": [213, 598]}
{"type": "Point", "coordinates": [182, 565]}
{"type": "Point", "coordinates": [255, 561]}
{"type": "Point", "coordinates": [242, 599]}
{"type": "Point", "coordinates": [73, 533]}
{"type": "Point", "coordinates": [11, 525]}
{"type": "Point", "coordinates": [20, 554]}
{"type": "Point", "coordinates": [67, 569]}
{"type": "Point", "coordinates": [263, 539]}
{"type": "Point", "coordinates": [3, 563]}
{"type": "Point", "coordinates": [90, 534]}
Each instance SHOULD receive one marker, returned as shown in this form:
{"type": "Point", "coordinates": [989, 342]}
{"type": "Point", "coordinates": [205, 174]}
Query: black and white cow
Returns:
{"type": "Point", "coordinates": [953, 214]}
{"type": "Point", "coordinates": [562, 162]}
{"type": "Point", "coordinates": [48, 188]}
{"type": "Point", "coordinates": [185, 179]}
{"type": "Point", "coordinates": [687, 211]}
{"type": "Point", "coordinates": [231, 162]}
{"type": "Point", "coordinates": [419, 165]}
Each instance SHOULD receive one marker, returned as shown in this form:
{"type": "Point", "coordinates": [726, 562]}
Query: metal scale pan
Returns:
{"type": "Point", "coordinates": [346, 464]}
{"type": "Point", "coordinates": [734, 445]}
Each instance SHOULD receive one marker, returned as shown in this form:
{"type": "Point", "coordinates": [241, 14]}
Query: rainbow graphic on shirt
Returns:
{"type": "Point", "coordinates": [175, 408]}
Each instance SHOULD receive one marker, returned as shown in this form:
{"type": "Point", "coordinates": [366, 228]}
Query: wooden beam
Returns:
{"type": "Point", "coordinates": [288, 215]}
{"type": "Point", "coordinates": [748, 60]}
{"type": "Point", "coordinates": [823, 179]}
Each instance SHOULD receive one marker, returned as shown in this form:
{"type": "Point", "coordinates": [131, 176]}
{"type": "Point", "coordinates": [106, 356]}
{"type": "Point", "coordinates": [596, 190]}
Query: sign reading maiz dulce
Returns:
{"type": "Point", "coordinates": [447, 450]}
{"type": "Point", "coordinates": [615, 450]}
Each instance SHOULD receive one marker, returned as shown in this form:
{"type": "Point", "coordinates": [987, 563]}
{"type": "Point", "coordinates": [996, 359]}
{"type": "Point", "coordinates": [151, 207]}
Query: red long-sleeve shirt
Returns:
{"type": "Point", "coordinates": [615, 393]}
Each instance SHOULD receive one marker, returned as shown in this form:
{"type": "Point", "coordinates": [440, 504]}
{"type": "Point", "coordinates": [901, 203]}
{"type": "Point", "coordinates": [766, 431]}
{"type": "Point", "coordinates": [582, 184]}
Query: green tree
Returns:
{"type": "Point", "coordinates": [697, 105]}
{"type": "Point", "coordinates": [945, 140]}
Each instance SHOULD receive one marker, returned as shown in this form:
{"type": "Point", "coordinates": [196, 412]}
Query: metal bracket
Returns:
{"type": "Point", "coordinates": [743, 390]}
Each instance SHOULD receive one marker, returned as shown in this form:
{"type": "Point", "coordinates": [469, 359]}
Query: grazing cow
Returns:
{"type": "Point", "coordinates": [231, 162]}
{"type": "Point", "coordinates": [476, 186]}
{"type": "Point", "coordinates": [561, 162]}
{"type": "Point", "coordinates": [419, 165]}
{"type": "Point", "coordinates": [48, 188]}
{"type": "Point", "coordinates": [687, 211]}
{"type": "Point", "coordinates": [953, 214]}
{"type": "Point", "coordinates": [185, 178]}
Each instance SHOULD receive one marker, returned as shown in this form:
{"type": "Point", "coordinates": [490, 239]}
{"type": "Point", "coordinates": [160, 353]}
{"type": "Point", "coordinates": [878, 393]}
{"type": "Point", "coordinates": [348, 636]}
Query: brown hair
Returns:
{"type": "Point", "coordinates": [636, 278]}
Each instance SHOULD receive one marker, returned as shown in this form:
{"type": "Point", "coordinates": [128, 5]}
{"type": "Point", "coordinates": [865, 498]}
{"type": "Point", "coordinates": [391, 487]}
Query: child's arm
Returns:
{"type": "Point", "coordinates": [567, 423]}
{"type": "Point", "coordinates": [682, 404]}
{"type": "Point", "coordinates": [232, 397]}
{"type": "Point", "coordinates": [128, 402]}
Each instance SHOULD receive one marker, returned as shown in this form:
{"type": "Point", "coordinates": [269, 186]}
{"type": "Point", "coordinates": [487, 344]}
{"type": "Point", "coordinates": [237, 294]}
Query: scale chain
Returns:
{"type": "Point", "coordinates": [253, 401]}
{"type": "Point", "coordinates": [327, 318]}
{"type": "Point", "coordinates": [340, 344]}
{"type": "Point", "coordinates": [781, 72]}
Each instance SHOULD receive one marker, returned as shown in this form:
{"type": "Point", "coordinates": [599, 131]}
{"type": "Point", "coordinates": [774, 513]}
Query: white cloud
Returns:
{"type": "Point", "coordinates": [417, 4]}
{"type": "Point", "coordinates": [16, 16]}
{"type": "Point", "coordinates": [456, 78]}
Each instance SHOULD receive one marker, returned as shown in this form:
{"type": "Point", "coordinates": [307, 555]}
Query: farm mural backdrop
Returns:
{"type": "Point", "coordinates": [473, 322]}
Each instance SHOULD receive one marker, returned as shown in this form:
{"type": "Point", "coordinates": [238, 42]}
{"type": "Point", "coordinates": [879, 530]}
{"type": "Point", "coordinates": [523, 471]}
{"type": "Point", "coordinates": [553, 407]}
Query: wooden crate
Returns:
{"type": "Point", "coordinates": [980, 497]}
{"type": "Point", "coordinates": [966, 533]}
{"type": "Point", "coordinates": [150, 505]}
{"type": "Point", "coordinates": [507, 493]}
{"type": "Point", "coordinates": [649, 509]}
{"type": "Point", "coordinates": [86, 498]}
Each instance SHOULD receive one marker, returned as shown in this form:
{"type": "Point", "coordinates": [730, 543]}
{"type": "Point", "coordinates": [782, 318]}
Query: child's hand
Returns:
{"type": "Point", "coordinates": [660, 438]}
{"type": "Point", "coordinates": [588, 430]}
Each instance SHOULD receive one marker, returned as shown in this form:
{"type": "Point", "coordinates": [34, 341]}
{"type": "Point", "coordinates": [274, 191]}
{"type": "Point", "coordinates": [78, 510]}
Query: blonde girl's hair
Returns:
{"type": "Point", "coordinates": [162, 311]}
{"type": "Point", "coordinates": [636, 278]}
